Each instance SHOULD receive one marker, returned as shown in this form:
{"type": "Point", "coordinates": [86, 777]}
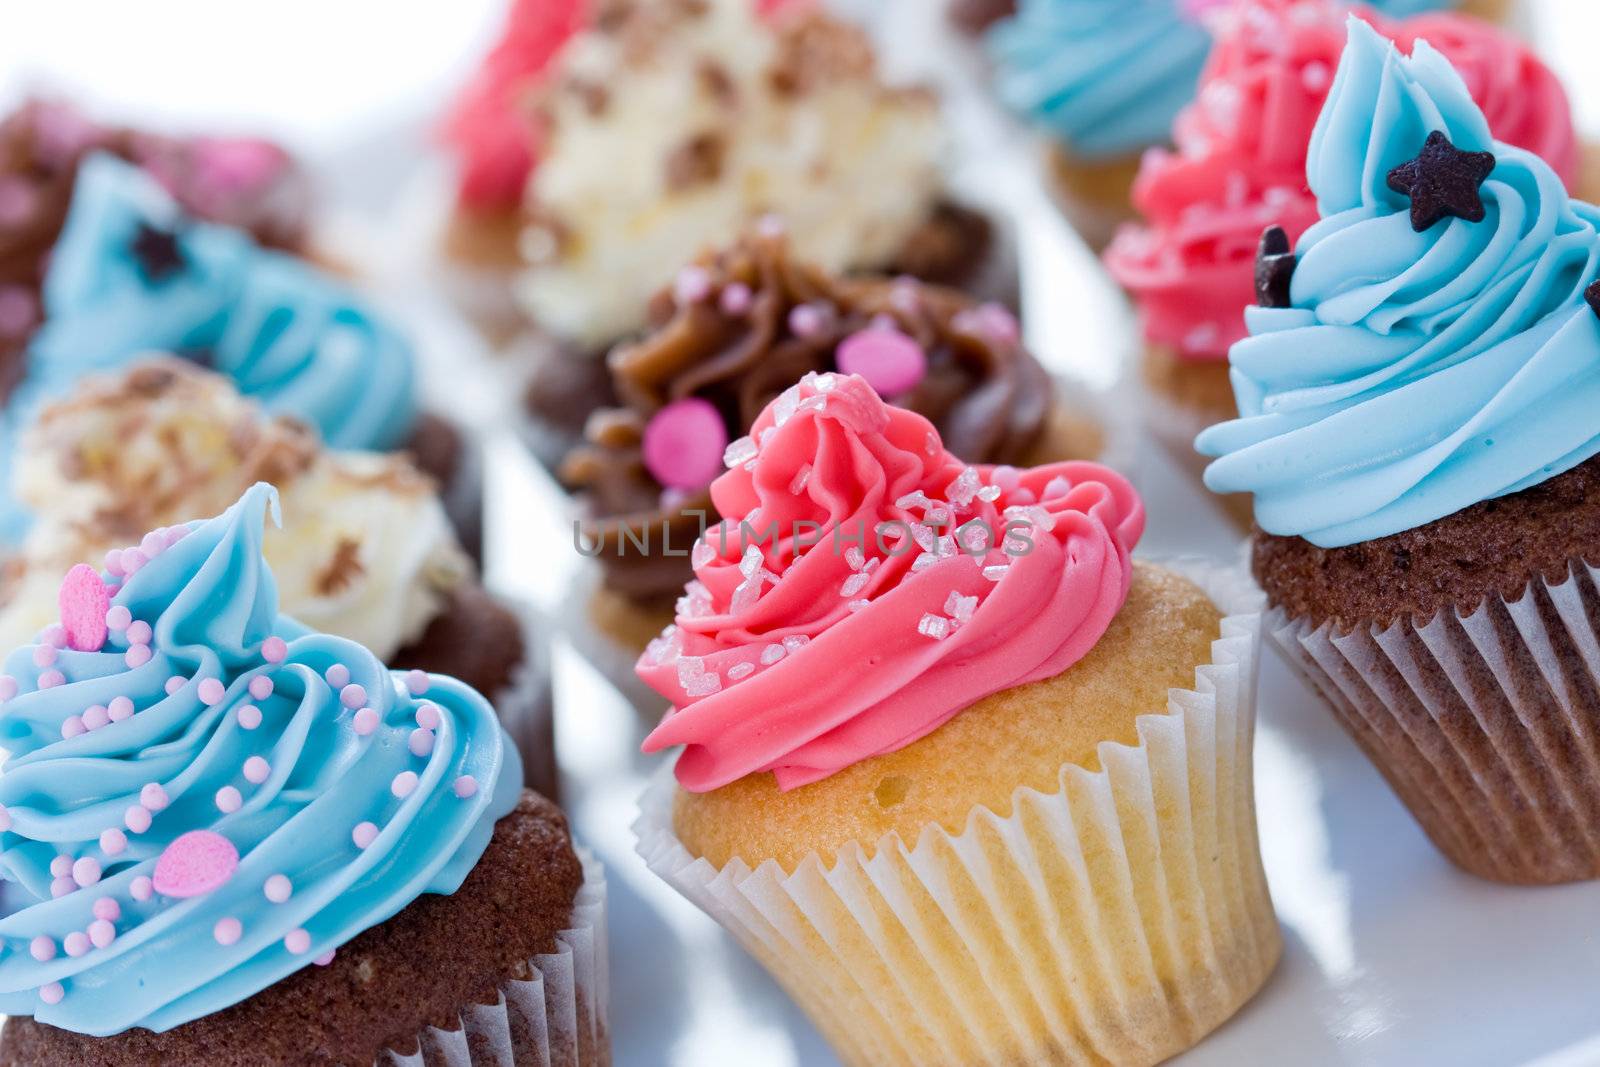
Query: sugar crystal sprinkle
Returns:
{"type": "Point", "coordinates": [934, 626]}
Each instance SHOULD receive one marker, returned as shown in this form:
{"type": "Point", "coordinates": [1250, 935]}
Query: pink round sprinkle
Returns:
{"type": "Point", "coordinates": [736, 299]}
{"type": "Point", "coordinates": [273, 650]}
{"type": "Point", "coordinates": [141, 888]}
{"type": "Point", "coordinates": [76, 943]}
{"type": "Point", "coordinates": [153, 543]}
{"type": "Point", "coordinates": [119, 709]}
{"type": "Point", "coordinates": [404, 783]}
{"type": "Point", "coordinates": [96, 716]}
{"type": "Point", "coordinates": [421, 742]}
{"type": "Point", "coordinates": [84, 602]}
{"type": "Point", "coordinates": [338, 675]}
{"type": "Point", "coordinates": [417, 682]}
{"type": "Point", "coordinates": [119, 618]}
{"type": "Point", "coordinates": [693, 285]}
{"type": "Point", "coordinates": [108, 909]}
{"type": "Point", "coordinates": [297, 942]}
{"type": "Point", "coordinates": [61, 866]}
{"type": "Point", "coordinates": [113, 842]}
{"type": "Point", "coordinates": [8, 687]}
{"type": "Point", "coordinates": [42, 948]}
{"type": "Point", "coordinates": [133, 561]}
{"type": "Point", "coordinates": [324, 959]}
{"type": "Point", "coordinates": [139, 633]}
{"type": "Point", "coordinates": [73, 726]}
{"type": "Point", "coordinates": [353, 696]}
{"type": "Point", "coordinates": [805, 320]}
{"type": "Point", "coordinates": [113, 566]}
{"type": "Point", "coordinates": [102, 933]}
{"type": "Point", "coordinates": [51, 678]}
{"type": "Point", "coordinates": [175, 683]}
{"type": "Point", "coordinates": [212, 691]}
{"type": "Point", "coordinates": [249, 717]}
{"type": "Point", "coordinates": [138, 656]}
{"type": "Point", "coordinates": [60, 887]}
{"type": "Point", "coordinates": [278, 888]}
{"type": "Point", "coordinates": [256, 770]}
{"type": "Point", "coordinates": [366, 721]}
{"type": "Point", "coordinates": [154, 797]}
{"type": "Point", "coordinates": [137, 818]}
{"type": "Point", "coordinates": [229, 800]}
{"type": "Point", "coordinates": [86, 871]}
{"type": "Point", "coordinates": [5, 819]}
{"type": "Point", "coordinates": [466, 786]}
{"type": "Point", "coordinates": [227, 931]}
{"type": "Point", "coordinates": [428, 716]}
{"type": "Point", "coordinates": [684, 443]}
{"type": "Point", "coordinates": [891, 362]}
{"type": "Point", "coordinates": [261, 687]}
{"type": "Point", "coordinates": [52, 992]}
{"type": "Point", "coordinates": [364, 834]}
{"type": "Point", "coordinates": [195, 863]}
{"type": "Point", "coordinates": [44, 655]}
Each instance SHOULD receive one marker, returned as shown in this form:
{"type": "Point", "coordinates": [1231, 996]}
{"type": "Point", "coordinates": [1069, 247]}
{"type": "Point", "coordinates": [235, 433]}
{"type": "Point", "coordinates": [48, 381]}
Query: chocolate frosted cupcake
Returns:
{"type": "Point", "coordinates": [368, 553]}
{"type": "Point", "coordinates": [238, 840]}
{"type": "Point", "coordinates": [1419, 431]}
{"type": "Point", "coordinates": [131, 271]}
{"type": "Point", "coordinates": [738, 329]}
{"type": "Point", "coordinates": [604, 145]}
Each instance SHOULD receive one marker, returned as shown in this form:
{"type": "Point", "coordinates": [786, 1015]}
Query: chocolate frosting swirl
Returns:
{"type": "Point", "coordinates": [989, 399]}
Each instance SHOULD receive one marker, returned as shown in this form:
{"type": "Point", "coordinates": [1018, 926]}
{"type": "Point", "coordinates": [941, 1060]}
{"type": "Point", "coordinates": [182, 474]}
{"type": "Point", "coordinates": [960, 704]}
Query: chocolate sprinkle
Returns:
{"type": "Point", "coordinates": [157, 251]}
{"type": "Point", "coordinates": [1274, 268]}
{"type": "Point", "coordinates": [1442, 181]}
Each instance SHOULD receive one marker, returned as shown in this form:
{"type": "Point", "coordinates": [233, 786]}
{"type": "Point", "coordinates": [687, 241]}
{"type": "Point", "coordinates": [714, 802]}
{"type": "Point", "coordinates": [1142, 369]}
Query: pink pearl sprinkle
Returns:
{"type": "Point", "coordinates": [693, 285]}
{"type": "Point", "coordinates": [176, 534]}
{"type": "Point", "coordinates": [338, 675]}
{"type": "Point", "coordinates": [324, 959]}
{"type": "Point", "coordinates": [249, 717]}
{"type": "Point", "coordinates": [102, 933]}
{"type": "Point", "coordinates": [60, 887]}
{"type": "Point", "coordinates": [141, 888]}
{"type": "Point", "coordinates": [133, 561]}
{"type": "Point", "coordinates": [76, 943]}
{"type": "Point", "coordinates": [137, 818]}
{"type": "Point", "coordinates": [366, 721]}
{"type": "Point", "coordinates": [421, 742]}
{"type": "Point", "coordinates": [108, 909]}
{"type": "Point", "coordinates": [44, 655]}
{"type": "Point", "coordinates": [805, 320]}
{"type": "Point", "coordinates": [278, 888]}
{"type": "Point", "coordinates": [119, 709]}
{"type": "Point", "coordinates": [138, 656]}
{"type": "Point", "coordinates": [228, 931]}
{"type": "Point", "coordinates": [5, 819]}
{"type": "Point", "coordinates": [229, 800]}
{"type": "Point", "coordinates": [42, 948]}
{"type": "Point", "coordinates": [195, 863]}
{"type": "Point", "coordinates": [364, 834]}
{"type": "Point", "coordinates": [297, 942]}
{"type": "Point", "coordinates": [8, 687]}
{"type": "Point", "coordinates": [417, 682]}
{"type": "Point", "coordinates": [353, 696]}
{"type": "Point", "coordinates": [113, 842]}
{"type": "Point", "coordinates": [139, 633]}
{"type": "Point", "coordinates": [73, 726]}
{"type": "Point", "coordinates": [466, 786]}
{"type": "Point", "coordinates": [428, 717]}
{"type": "Point", "coordinates": [86, 871]}
{"type": "Point", "coordinates": [404, 783]}
{"type": "Point", "coordinates": [154, 797]}
{"type": "Point", "coordinates": [274, 650]}
{"type": "Point", "coordinates": [891, 362]}
{"type": "Point", "coordinates": [256, 770]}
{"type": "Point", "coordinates": [212, 691]}
{"type": "Point", "coordinates": [261, 687]}
{"type": "Point", "coordinates": [153, 543]}
{"type": "Point", "coordinates": [736, 299]}
{"type": "Point", "coordinates": [175, 683]}
{"type": "Point", "coordinates": [119, 618]}
{"type": "Point", "coordinates": [684, 444]}
{"type": "Point", "coordinates": [55, 635]}
{"type": "Point", "coordinates": [96, 716]}
{"type": "Point", "coordinates": [51, 678]}
{"type": "Point", "coordinates": [52, 992]}
{"type": "Point", "coordinates": [61, 866]}
{"type": "Point", "coordinates": [113, 565]}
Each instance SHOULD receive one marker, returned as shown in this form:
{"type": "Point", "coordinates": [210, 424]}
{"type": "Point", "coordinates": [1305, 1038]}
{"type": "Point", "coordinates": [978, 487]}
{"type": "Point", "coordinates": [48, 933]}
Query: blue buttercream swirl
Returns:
{"type": "Point", "coordinates": [211, 604]}
{"type": "Point", "coordinates": [1108, 77]}
{"type": "Point", "coordinates": [1416, 374]}
{"type": "Point", "coordinates": [291, 337]}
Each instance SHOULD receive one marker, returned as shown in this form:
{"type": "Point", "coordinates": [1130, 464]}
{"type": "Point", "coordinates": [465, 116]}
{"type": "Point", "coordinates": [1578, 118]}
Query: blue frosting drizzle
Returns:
{"type": "Point", "coordinates": [212, 605]}
{"type": "Point", "coordinates": [1108, 77]}
{"type": "Point", "coordinates": [291, 337]}
{"type": "Point", "coordinates": [1416, 373]}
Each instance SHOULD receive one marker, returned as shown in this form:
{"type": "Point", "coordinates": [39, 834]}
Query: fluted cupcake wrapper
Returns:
{"type": "Point", "coordinates": [1483, 722]}
{"type": "Point", "coordinates": [1118, 919]}
{"type": "Point", "coordinates": [556, 1018]}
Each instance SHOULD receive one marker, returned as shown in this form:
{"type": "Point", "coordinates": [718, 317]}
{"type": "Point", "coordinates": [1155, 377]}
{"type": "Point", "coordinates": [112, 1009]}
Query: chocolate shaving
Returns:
{"type": "Point", "coordinates": [698, 161]}
{"type": "Point", "coordinates": [342, 568]}
{"type": "Point", "coordinates": [1442, 181]}
{"type": "Point", "coordinates": [1274, 268]}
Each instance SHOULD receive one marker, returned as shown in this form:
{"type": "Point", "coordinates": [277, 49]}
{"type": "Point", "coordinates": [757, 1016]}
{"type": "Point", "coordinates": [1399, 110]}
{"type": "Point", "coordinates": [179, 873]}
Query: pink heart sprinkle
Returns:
{"type": "Point", "coordinates": [84, 602]}
{"type": "Point", "coordinates": [891, 362]}
{"type": "Point", "coordinates": [684, 443]}
{"type": "Point", "coordinates": [195, 863]}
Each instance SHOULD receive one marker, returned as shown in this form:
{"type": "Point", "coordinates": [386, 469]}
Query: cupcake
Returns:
{"type": "Point", "coordinates": [239, 840]}
{"type": "Point", "coordinates": [1418, 428]}
{"type": "Point", "coordinates": [647, 130]}
{"type": "Point", "coordinates": [1104, 80]}
{"type": "Point", "coordinates": [738, 329]}
{"type": "Point", "coordinates": [368, 553]}
{"type": "Point", "coordinates": [131, 272]}
{"type": "Point", "coordinates": [1191, 264]}
{"type": "Point", "coordinates": [1013, 823]}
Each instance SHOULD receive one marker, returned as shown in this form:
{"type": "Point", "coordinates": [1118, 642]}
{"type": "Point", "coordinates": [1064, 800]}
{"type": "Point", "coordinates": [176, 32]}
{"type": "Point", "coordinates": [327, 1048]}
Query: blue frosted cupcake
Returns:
{"type": "Point", "coordinates": [236, 840]}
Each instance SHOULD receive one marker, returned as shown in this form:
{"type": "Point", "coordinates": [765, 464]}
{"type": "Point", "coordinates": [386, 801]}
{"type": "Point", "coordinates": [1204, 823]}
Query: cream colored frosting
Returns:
{"type": "Point", "coordinates": [671, 126]}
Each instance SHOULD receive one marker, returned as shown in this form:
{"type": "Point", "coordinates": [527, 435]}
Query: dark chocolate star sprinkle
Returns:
{"type": "Point", "coordinates": [1274, 268]}
{"type": "Point", "coordinates": [1442, 181]}
{"type": "Point", "coordinates": [1592, 295]}
{"type": "Point", "coordinates": [157, 251]}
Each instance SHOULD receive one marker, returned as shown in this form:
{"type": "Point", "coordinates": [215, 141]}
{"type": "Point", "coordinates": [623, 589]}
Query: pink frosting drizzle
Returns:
{"type": "Point", "coordinates": [1241, 154]}
{"type": "Point", "coordinates": [850, 645]}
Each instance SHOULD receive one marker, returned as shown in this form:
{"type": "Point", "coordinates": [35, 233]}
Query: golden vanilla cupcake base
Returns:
{"type": "Point", "coordinates": [1118, 916]}
{"type": "Point", "coordinates": [1095, 195]}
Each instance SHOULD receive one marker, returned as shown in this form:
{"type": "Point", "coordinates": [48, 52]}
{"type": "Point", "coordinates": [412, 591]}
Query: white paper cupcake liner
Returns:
{"type": "Point", "coordinates": [1118, 919]}
{"type": "Point", "coordinates": [1484, 722]}
{"type": "Point", "coordinates": [557, 1018]}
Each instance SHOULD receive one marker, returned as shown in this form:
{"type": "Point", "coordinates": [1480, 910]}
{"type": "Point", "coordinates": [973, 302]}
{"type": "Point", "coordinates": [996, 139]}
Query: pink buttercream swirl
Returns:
{"type": "Point", "coordinates": [866, 586]}
{"type": "Point", "coordinates": [1240, 164]}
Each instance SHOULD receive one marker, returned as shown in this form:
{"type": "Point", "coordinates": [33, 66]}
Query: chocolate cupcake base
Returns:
{"type": "Point", "coordinates": [443, 452]}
